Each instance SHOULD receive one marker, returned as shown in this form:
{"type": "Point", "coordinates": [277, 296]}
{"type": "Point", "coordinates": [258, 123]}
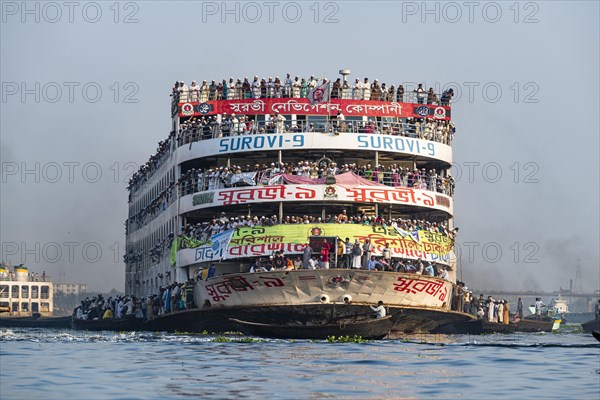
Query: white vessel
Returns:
{"type": "Point", "coordinates": [23, 293]}
{"type": "Point", "coordinates": [248, 172]}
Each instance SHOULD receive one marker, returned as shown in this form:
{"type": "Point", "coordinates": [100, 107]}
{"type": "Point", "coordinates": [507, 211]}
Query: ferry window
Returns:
{"type": "Point", "coordinates": [14, 291]}
{"type": "Point", "coordinates": [4, 304]}
{"type": "Point", "coordinates": [24, 292]}
{"type": "Point", "coordinates": [4, 291]}
{"type": "Point", "coordinates": [45, 307]}
{"type": "Point", "coordinates": [35, 307]}
{"type": "Point", "coordinates": [35, 292]}
{"type": "Point", "coordinates": [318, 122]}
{"type": "Point", "coordinates": [15, 307]}
{"type": "Point", "coordinates": [24, 306]}
{"type": "Point", "coordinates": [45, 292]}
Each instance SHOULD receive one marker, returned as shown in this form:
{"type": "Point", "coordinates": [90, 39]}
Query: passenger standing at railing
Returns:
{"type": "Point", "coordinates": [312, 83]}
{"type": "Point", "coordinates": [366, 89]}
{"type": "Point", "coordinates": [238, 90]}
{"type": "Point", "coordinates": [194, 91]}
{"type": "Point", "coordinates": [400, 94]}
{"type": "Point", "coordinates": [296, 87]}
{"type": "Point", "coordinates": [246, 89]}
{"type": "Point", "coordinates": [231, 90]}
{"type": "Point", "coordinates": [212, 91]}
{"type": "Point", "coordinates": [446, 97]}
{"type": "Point", "coordinates": [391, 93]}
{"type": "Point", "coordinates": [270, 88]}
{"type": "Point", "coordinates": [375, 91]}
{"type": "Point", "coordinates": [263, 88]}
{"type": "Point", "coordinates": [203, 92]}
{"type": "Point", "coordinates": [256, 87]}
{"type": "Point", "coordinates": [303, 88]}
{"type": "Point", "coordinates": [357, 90]}
{"type": "Point", "coordinates": [420, 94]}
{"type": "Point", "coordinates": [345, 90]}
{"type": "Point", "coordinates": [183, 91]}
{"type": "Point", "coordinates": [278, 88]}
{"type": "Point", "coordinates": [336, 91]}
{"type": "Point", "coordinates": [287, 86]}
{"type": "Point", "coordinates": [224, 90]}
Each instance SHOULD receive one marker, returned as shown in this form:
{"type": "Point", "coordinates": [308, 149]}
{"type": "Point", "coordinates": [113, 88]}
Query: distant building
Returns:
{"type": "Point", "coordinates": [70, 288]}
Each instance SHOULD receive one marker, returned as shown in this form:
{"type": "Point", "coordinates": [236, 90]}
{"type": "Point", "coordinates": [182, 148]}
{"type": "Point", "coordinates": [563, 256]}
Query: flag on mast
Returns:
{"type": "Point", "coordinates": [320, 94]}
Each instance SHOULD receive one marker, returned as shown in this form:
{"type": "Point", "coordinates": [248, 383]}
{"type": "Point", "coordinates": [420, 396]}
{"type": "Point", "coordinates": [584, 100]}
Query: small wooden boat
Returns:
{"type": "Point", "coordinates": [36, 321]}
{"type": "Point", "coordinates": [123, 324]}
{"type": "Point", "coordinates": [376, 328]}
{"type": "Point", "coordinates": [590, 326]}
{"type": "Point", "coordinates": [476, 327]}
{"type": "Point", "coordinates": [533, 324]}
{"type": "Point", "coordinates": [596, 334]}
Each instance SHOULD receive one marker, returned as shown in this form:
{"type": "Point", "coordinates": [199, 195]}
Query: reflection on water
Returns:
{"type": "Point", "coordinates": [45, 363]}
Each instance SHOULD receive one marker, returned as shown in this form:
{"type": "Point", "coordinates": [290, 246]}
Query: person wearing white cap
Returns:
{"type": "Point", "coordinates": [279, 123]}
{"type": "Point", "coordinates": [296, 85]}
{"type": "Point", "coordinates": [287, 89]}
{"type": "Point", "coordinates": [231, 89]}
{"type": "Point", "coordinates": [270, 88]}
{"type": "Point", "coordinates": [256, 87]}
{"type": "Point", "coordinates": [203, 92]}
{"type": "Point", "coordinates": [194, 91]}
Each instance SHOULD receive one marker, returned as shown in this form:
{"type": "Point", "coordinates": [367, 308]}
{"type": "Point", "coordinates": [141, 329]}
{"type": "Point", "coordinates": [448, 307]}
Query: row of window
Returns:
{"type": "Point", "coordinates": [24, 292]}
{"type": "Point", "coordinates": [25, 306]}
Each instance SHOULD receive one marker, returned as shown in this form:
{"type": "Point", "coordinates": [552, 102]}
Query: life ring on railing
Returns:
{"type": "Point", "coordinates": [347, 298]}
{"type": "Point", "coordinates": [324, 298]}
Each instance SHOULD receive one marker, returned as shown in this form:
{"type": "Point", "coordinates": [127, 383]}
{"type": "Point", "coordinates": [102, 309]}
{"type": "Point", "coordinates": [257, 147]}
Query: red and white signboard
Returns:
{"type": "Point", "coordinates": [300, 106]}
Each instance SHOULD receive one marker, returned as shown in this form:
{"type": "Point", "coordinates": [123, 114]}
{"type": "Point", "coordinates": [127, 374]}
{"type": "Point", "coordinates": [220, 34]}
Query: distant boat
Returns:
{"type": "Point", "coordinates": [476, 327]}
{"type": "Point", "coordinates": [375, 328]}
{"type": "Point", "coordinates": [533, 324]}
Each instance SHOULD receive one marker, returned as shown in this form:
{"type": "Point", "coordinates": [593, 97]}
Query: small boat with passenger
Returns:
{"type": "Point", "coordinates": [366, 328]}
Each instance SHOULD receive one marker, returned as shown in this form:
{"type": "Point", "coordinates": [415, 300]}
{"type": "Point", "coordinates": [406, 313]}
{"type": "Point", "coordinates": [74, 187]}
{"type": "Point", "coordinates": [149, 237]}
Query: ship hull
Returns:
{"type": "Point", "coordinates": [315, 298]}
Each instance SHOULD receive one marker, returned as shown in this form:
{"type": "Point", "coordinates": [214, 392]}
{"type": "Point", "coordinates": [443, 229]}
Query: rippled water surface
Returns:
{"type": "Point", "coordinates": [67, 364]}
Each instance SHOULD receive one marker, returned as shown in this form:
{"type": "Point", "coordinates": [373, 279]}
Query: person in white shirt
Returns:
{"type": "Point", "coordinates": [287, 92]}
{"type": "Point", "coordinates": [256, 88]}
{"type": "Point", "coordinates": [279, 123]}
{"type": "Point", "coordinates": [194, 91]}
{"type": "Point", "coordinates": [296, 85]}
{"type": "Point", "coordinates": [357, 90]}
{"type": "Point", "coordinates": [379, 310]}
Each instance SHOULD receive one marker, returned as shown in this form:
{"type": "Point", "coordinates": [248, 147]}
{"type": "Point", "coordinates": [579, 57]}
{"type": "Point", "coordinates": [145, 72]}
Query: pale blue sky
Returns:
{"type": "Point", "coordinates": [557, 57]}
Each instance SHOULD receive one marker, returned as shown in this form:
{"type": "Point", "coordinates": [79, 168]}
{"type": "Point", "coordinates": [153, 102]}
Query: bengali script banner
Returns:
{"type": "Point", "coordinates": [284, 193]}
{"type": "Point", "coordinates": [349, 108]}
{"type": "Point", "coordinates": [265, 240]}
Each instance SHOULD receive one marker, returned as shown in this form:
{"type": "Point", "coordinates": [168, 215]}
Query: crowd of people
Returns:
{"type": "Point", "coordinates": [202, 179]}
{"type": "Point", "coordinates": [173, 297]}
{"type": "Point", "coordinates": [198, 180]}
{"type": "Point", "coordinates": [205, 230]}
{"type": "Point", "coordinates": [209, 127]}
{"type": "Point", "coordinates": [144, 173]}
{"type": "Point", "coordinates": [234, 89]}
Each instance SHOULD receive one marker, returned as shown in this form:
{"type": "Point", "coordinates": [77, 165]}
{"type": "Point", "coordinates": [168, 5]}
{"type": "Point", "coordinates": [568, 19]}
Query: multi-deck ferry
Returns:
{"type": "Point", "coordinates": [23, 294]}
{"type": "Point", "coordinates": [255, 178]}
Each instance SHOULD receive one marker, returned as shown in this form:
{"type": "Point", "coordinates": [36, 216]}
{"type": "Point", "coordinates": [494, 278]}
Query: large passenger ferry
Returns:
{"type": "Point", "coordinates": [297, 202]}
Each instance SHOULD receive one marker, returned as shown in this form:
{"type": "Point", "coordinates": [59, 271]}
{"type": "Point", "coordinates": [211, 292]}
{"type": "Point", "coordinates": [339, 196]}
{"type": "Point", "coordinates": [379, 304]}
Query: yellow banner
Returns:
{"type": "Point", "coordinates": [429, 242]}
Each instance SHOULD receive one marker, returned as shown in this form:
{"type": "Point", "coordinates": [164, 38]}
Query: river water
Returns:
{"type": "Point", "coordinates": [68, 364]}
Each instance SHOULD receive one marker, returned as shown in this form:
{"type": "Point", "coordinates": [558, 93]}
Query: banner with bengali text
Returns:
{"type": "Point", "coordinates": [265, 240]}
{"type": "Point", "coordinates": [300, 106]}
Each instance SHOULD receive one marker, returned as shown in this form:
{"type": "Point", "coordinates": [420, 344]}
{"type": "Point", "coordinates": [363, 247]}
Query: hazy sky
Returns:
{"type": "Point", "coordinates": [85, 97]}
